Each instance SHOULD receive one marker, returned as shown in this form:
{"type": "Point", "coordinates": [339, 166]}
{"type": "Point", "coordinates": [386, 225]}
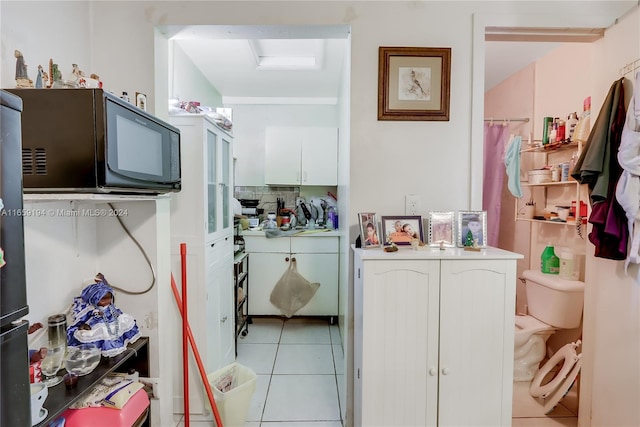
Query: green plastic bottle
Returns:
{"type": "Point", "coordinates": [549, 262]}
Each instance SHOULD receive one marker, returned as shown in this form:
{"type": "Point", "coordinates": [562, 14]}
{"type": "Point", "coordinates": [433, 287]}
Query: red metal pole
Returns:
{"type": "Point", "coordinates": [196, 354]}
{"type": "Point", "coordinates": [185, 344]}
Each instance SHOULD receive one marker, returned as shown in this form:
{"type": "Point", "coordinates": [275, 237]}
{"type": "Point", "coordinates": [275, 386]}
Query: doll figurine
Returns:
{"type": "Point", "coordinates": [96, 320]}
{"type": "Point", "coordinates": [22, 79]}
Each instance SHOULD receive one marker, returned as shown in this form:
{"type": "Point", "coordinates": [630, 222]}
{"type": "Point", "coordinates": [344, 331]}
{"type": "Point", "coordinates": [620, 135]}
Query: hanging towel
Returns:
{"type": "Point", "coordinates": [512, 164]}
{"type": "Point", "coordinates": [628, 188]}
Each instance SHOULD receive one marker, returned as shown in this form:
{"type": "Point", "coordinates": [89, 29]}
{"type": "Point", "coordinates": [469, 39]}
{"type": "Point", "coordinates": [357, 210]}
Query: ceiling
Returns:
{"type": "Point", "coordinates": [235, 59]}
{"type": "Point", "coordinates": [239, 60]}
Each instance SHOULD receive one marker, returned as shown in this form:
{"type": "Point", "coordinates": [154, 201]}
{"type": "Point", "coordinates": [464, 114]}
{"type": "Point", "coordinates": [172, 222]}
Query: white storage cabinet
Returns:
{"type": "Point", "coordinates": [316, 259]}
{"type": "Point", "coordinates": [433, 337]}
{"type": "Point", "coordinates": [301, 156]}
{"type": "Point", "coordinates": [201, 217]}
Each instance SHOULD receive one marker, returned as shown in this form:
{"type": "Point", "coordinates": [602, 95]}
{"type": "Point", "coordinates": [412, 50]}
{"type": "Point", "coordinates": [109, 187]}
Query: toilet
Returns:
{"type": "Point", "coordinates": [553, 303]}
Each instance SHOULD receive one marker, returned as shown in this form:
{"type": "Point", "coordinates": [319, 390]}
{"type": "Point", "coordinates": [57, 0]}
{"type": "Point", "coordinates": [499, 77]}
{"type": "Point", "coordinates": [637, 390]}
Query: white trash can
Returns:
{"type": "Point", "coordinates": [233, 387]}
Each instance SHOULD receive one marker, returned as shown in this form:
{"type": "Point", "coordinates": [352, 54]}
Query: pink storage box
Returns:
{"type": "Point", "coordinates": [109, 417]}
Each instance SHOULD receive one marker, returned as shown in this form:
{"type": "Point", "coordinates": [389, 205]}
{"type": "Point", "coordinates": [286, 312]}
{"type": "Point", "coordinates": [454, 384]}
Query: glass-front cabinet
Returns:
{"type": "Point", "coordinates": [218, 173]}
{"type": "Point", "coordinates": [201, 217]}
{"type": "Point", "coordinates": [203, 206]}
{"type": "Point", "coordinates": [212, 182]}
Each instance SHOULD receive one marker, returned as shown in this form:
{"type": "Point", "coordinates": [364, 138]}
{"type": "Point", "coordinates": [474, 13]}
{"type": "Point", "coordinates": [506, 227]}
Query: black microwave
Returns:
{"type": "Point", "coordinates": [90, 141]}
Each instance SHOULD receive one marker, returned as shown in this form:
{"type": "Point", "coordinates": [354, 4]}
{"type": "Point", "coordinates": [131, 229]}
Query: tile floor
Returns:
{"type": "Point", "coordinates": [528, 411]}
{"type": "Point", "coordinates": [299, 366]}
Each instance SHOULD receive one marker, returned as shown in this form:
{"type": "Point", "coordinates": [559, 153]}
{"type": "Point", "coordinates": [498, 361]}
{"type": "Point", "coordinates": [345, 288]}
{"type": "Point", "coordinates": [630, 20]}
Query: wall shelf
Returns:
{"type": "Point", "coordinates": [553, 147]}
{"type": "Point", "coordinates": [60, 398]}
{"type": "Point", "coordinates": [91, 197]}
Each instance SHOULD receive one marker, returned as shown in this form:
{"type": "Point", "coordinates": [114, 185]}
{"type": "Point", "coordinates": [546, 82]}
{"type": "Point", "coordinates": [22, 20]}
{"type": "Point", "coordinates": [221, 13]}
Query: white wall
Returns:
{"type": "Point", "coordinates": [186, 81]}
{"type": "Point", "coordinates": [58, 31]}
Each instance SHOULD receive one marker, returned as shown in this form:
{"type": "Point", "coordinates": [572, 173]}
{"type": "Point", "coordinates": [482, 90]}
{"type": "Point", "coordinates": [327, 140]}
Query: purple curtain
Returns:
{"type": "Point", "coordinates": [495, 139]}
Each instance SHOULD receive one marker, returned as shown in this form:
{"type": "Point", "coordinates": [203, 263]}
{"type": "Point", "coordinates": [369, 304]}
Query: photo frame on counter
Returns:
{"type": "Point", "coordinates": [414, 83]}
{"type": "Point", "coordinates": [141, 101]}
{"type": "Point", "coordinates": [472, 228]}
{"type": "Point", "coordinates": [402, 229]}
{"type": "Point", "coordinates": [441, 229]}
{"type": "Point", "coordinates": [369, 230]}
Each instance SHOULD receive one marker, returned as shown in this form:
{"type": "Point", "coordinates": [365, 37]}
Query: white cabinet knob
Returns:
{"type": "Point", "coordinates": [445, 371]}
{"type": "Point", "coordinates": [433, 372]}
{"type": "Point", "coordinates": [224, 319]}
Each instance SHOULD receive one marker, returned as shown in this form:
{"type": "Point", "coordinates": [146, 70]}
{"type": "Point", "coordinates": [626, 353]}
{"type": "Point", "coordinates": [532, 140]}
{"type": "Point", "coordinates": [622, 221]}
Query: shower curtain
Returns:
{"type": "Point", "coordinates": [495, 139]}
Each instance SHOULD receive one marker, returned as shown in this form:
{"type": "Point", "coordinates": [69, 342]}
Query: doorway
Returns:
{"type": "Point", "coordinates": [525, 236]}
{"type": "Point", "coordinates": [205, 66]}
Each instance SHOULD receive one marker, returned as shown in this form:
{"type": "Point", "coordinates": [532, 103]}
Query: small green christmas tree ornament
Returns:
{"type": "Point", "coordinates": [468, 240]}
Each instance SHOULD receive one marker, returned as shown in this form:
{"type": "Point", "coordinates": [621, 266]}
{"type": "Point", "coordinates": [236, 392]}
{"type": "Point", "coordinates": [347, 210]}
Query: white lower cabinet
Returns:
{"type": "Point", "coordinates": [433, 337]}
{"type": "Point", "coordinates": [316, 259]}
{"type": "Point", "coordinates": [219, 296]}
{"type": "Point", "coordinates": [210, 311]}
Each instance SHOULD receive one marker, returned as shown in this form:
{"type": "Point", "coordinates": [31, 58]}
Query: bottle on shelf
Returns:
{"type": "Point", "coordinates": [549, 262]}
{"type": "Point", "coordinates": [570, 125]}
{"type": "Point", "coordinates": [583, 127]}
{"type": "Point", "coordinates": [546, 129]}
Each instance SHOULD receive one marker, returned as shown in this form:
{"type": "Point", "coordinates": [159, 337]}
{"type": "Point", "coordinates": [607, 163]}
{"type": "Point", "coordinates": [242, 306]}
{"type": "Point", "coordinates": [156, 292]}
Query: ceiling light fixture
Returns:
{"type": "Point", "coordinates": [289, 54]}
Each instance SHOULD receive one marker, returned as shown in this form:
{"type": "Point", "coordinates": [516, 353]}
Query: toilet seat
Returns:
{"type": "Point", "coordinates": [567, 354]}
{"type": "Point", "coordinates": [528, 322]}
{"type": "Point", "coordinates": [551, 403]}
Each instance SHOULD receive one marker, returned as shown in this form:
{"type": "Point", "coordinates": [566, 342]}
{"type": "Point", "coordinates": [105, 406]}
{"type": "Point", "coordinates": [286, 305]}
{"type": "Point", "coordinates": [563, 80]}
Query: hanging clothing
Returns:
{"type": "Point", "coordinates": [628, 188]}
{"type": "Point", "coordinates": [495, 138]}
{"type": "Point", "coordinates": [512, 165]}
{"type": "Point", "coordinates": [598, 167]}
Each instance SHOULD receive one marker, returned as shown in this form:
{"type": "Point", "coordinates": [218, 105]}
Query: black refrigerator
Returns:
{"type": "Point", "coordinates": [15, 391]}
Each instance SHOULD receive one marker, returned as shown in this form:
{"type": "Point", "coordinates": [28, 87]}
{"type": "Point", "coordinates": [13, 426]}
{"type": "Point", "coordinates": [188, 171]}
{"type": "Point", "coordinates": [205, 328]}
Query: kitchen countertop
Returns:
{"type": "Point", "coordinates": [316, 232]}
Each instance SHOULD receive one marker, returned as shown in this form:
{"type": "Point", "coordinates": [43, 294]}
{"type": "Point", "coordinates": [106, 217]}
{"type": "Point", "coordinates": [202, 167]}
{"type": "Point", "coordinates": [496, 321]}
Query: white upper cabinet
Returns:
{"type": "Point", "coordinates": [301, 156]}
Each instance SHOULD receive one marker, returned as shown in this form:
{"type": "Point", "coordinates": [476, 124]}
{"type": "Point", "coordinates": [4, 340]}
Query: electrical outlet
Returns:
{"type": "Point", "coordinates": [411, 204]}
{"type": "Point", "coordinates": [151, 386]}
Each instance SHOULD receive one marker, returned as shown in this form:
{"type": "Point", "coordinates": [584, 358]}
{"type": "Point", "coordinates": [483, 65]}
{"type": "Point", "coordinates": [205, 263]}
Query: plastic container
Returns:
{"type": "Point", "coordinates": [568, 268]}
{"type": "Point", "coordinates": [539, 176]}
{"type": "Point", "coordinates": [549, 262]}
{"type": "Point", "coordinates": [233, 387]}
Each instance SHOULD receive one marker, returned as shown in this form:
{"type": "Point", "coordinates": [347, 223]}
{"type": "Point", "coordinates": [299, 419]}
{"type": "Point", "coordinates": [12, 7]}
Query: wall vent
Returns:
{"type": "Point", "coordinates": [34, 161]}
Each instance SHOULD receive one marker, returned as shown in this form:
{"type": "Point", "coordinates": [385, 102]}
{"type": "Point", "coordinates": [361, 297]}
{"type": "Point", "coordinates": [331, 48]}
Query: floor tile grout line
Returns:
{"type": "Point", "coordinates": [266, 396]}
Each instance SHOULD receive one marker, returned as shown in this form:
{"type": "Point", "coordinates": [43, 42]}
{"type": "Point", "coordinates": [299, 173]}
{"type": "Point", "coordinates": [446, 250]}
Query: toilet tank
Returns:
{"type": "Point", "coordinates": [555, 301]}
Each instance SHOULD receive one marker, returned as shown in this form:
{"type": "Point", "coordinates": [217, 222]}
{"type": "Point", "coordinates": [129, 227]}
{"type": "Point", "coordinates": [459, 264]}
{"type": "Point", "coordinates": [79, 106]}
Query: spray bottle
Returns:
{"type": "Point", "coordinates": [549, 262]}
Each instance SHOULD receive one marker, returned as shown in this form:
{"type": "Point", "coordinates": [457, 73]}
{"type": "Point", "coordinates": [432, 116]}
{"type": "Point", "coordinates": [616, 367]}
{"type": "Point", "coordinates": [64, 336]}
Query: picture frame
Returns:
{"type": "Point", "coordinates": [442, 229]}
{"type": "Point", "coordinates": [369, 230]}
{"type": "Point", "coordinates": [478, 229]}
{"type": "Point", "coordinates": [414, 83]}
{"type": "Point", "coordinates": [141, 101]}
{"type": "Point", "coordinates": [399, 229]}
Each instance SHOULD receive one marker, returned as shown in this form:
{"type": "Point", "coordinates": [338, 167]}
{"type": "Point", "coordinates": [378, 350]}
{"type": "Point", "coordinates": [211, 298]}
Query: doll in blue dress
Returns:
{"type": "Point", "coordinates": [96, 320]}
